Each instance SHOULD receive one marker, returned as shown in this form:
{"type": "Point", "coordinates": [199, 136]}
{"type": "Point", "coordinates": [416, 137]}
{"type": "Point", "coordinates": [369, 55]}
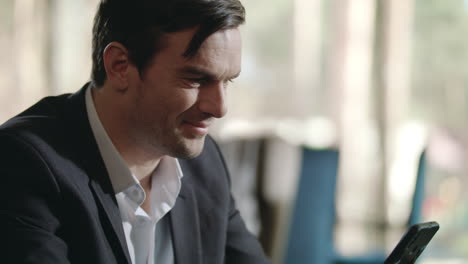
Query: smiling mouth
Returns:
{"type": "Point", "coordinates": [202, 124]}
{"type": "Point", "coordinates": [195, 128]}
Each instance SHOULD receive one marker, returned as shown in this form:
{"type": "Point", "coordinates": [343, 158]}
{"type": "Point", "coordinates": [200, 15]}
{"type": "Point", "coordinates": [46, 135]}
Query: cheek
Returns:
{"type": "Point", "coordinates": [183, 101]}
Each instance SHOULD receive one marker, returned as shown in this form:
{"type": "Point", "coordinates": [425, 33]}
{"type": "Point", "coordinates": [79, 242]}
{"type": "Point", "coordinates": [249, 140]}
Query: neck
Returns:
{"type": "Point", "coordinates": [143, 170]}
{"type": "Point", "coordinates": [114, 119]}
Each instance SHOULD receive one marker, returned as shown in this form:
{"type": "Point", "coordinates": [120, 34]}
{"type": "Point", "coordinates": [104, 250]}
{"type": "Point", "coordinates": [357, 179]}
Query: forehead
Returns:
{"type": "Point", "coordinates": [220, 53]}
{"type": "Point", "coordinates": [225, 42]}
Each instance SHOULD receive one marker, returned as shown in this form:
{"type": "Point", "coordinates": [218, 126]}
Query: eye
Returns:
{"type": "Point", "coordinates": [195, 82]}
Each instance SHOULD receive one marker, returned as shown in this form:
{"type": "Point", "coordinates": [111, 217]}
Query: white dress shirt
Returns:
{"type": "Point", "coordinates": [148, 236]}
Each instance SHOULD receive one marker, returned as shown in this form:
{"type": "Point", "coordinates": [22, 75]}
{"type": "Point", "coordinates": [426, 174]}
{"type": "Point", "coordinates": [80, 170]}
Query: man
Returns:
{"type": "Point", "coordinates": [123, 170]}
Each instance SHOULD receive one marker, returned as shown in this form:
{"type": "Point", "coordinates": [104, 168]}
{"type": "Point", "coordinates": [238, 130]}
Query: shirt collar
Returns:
{"type": "Point", "coordinates": [165, 187]}
{"type": "Point", "coordinates": [119, 173]}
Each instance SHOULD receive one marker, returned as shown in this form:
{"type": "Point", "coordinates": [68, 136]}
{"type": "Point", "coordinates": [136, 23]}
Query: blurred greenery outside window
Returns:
{"type": "Point", "coordinates": [439, 96]}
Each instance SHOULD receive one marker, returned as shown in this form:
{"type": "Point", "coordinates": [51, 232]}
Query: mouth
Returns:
{"type": "Point", "coordinates": [199, 128]}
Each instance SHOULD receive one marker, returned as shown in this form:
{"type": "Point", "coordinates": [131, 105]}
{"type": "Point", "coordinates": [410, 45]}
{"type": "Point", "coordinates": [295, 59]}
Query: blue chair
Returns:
{"type": "Point", "coordinates": [311, 228]}
{"type": "Point", "coordinates": [418, 196]}
{"type": "Point", "coordinates": [415, 217]}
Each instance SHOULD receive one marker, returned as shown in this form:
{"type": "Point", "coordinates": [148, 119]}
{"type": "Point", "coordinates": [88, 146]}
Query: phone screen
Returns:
{"type": "Point", "coordinates": [413, 243]}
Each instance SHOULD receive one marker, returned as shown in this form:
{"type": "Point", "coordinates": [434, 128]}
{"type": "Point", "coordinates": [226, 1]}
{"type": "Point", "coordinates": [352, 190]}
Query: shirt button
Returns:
{"type": "Point", "coordinates": [141, 221]}
{"type": "Point", "coordinates": [137, 195]}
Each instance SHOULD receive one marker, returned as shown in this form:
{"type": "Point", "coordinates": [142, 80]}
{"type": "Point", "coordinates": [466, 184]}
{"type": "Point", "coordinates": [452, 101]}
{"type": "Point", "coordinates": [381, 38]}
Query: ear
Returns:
{"type": "Point", "coordinates": [116, 63]}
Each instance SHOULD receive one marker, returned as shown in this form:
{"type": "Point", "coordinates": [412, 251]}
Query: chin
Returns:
{"type": "Point", "coordinates": [188, 148]}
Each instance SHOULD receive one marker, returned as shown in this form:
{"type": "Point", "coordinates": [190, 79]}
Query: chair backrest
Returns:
{"type": "Point", "coordinates": [312, 222]}
{"type": "Point", "coordinates": [418, 196]}
{"type": "Point", "coordinates": [310, 237]}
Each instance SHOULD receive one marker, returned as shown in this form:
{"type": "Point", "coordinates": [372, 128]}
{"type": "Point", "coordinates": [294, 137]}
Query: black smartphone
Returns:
{"type": "Point", "coordinates": [412, 243]}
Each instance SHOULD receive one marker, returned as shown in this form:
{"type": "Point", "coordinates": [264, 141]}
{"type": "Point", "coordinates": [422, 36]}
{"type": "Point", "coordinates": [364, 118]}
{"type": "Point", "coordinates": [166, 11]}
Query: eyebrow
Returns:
{"type": "Point", "coordinates": [194, 70]}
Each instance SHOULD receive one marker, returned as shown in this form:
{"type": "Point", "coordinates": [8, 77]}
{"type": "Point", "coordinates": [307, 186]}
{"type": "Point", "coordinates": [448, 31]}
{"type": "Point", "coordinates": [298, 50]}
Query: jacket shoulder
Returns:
{"type": "Point", "coordinates": [41, 120]}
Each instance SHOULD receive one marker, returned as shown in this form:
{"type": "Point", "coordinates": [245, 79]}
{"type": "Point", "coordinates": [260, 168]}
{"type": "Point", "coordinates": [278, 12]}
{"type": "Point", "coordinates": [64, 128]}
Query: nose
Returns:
{"type": "Point", "coordinates": [212, 99]}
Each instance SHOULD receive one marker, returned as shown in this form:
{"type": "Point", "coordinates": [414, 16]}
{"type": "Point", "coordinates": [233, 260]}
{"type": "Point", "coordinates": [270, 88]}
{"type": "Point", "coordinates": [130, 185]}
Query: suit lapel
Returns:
{"type": "Point", "coordinates": [87, 155]}
{"type": "Point", "coordinates": [112, 217]}
{"type": "Point", "coordinates": [185, 226]}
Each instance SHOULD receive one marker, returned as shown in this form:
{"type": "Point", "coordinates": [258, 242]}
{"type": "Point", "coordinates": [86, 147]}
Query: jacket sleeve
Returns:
{"type": "Point", "coordinates": [241, 245]}
{"type": "Point", "coordinates": [30, 205]}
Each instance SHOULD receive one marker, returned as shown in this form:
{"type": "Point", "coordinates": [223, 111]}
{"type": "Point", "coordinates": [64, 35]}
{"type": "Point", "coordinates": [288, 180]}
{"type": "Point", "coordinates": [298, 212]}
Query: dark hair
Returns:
{"type": "Point", "coordinates": [140, 24]}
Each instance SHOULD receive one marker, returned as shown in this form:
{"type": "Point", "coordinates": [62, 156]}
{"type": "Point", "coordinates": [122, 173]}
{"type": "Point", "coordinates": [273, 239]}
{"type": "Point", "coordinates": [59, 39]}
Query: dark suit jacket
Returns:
{"type": "Point", "coordinates": [57, 204]}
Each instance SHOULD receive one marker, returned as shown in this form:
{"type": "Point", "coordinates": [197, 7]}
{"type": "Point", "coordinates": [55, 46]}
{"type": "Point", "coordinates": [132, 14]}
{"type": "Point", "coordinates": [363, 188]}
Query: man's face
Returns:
{"type": "Point", "coordinates": [177, 98]}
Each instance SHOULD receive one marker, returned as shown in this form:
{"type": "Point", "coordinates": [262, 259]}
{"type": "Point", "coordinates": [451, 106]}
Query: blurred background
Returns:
{"type": "Point", "coordinates": [349, 121]}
